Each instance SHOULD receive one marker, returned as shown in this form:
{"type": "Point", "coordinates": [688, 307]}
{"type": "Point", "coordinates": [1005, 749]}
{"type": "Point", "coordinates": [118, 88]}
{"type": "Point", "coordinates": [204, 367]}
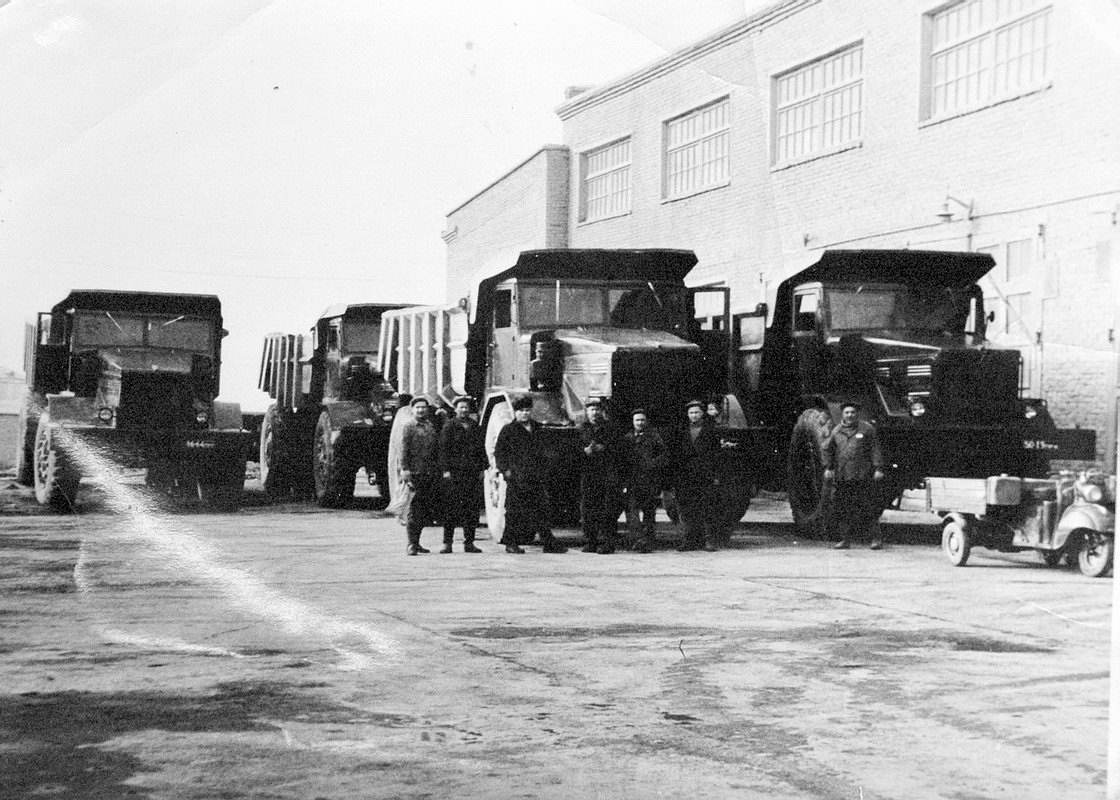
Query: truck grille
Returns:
{"type": "Point", "coordinates": [661, 382]}
{"type": "Point", "coordinates": [160, 401]}
{"type": "Point", "coordinates": [975, 385]}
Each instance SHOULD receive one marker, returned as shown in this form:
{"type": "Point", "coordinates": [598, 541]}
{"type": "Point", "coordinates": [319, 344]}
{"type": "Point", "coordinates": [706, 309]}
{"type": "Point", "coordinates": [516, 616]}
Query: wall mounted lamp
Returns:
{"type": "Point", "coordinates": [946, 214]}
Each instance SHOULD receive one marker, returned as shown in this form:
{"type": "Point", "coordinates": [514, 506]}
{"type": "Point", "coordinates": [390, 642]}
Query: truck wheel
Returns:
{"type": "Point", "coordinates": [956, 541]}
{"type": "Point", "coordinates": [493, 482]}
{"type": "Point", "coordinates": [56, 480]}
{"type": "Point", "coordinates": [1094, 556]}
{"type": "Point", "coordinates": [494, 491]}
{"type": "Point", "coordinates": [275, 457]}
{"type": "Point", "coordinates": [334, 475]}
{"type": "Point", "coordinates": [25, 446]}
{"type": "Point", "coordinates": [222, 489]}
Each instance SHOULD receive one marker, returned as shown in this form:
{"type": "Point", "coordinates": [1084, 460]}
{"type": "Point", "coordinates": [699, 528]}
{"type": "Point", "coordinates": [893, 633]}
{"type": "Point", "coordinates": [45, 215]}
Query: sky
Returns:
{"type": "Point", "coordinates": [282, 155]}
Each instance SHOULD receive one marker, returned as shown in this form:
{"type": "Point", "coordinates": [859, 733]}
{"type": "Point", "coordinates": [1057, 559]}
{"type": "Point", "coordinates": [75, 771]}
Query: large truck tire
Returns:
{"type": "Point", "coordinates": [221, 489]}
{"type": "Point", "coordinates": [334, 473]}
{"type": "Point", "coordinates": [494, 483]}
{"type": "Point", "coordinates": [277, 456]}
{"type": "Point", "coordinates": [56, 479]}
{"type": "Point", "coordinates": [25, 446]}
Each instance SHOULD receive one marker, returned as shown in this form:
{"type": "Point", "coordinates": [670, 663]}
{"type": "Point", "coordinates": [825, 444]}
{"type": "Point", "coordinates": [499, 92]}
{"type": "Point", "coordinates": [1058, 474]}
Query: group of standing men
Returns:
{"type": "Point", "coordinates": [627, 473]}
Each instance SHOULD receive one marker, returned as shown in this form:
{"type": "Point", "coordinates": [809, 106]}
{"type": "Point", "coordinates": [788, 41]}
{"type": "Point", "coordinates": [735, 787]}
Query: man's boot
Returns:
{"type": "Point", "coordinates": [468, 541]}
{"type": "Point", "coordinates": [413, 544]}
{"type": "Point", "coordinates": [448, 537]}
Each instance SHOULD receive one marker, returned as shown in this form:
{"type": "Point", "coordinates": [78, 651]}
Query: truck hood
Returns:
{"type": "Point", "coordinates": [903, 343]}
{"type": "Point", "coordinates": [581, 341]}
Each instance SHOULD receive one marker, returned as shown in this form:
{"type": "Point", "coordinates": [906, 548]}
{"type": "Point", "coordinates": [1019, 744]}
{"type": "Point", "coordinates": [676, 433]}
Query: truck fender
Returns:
{"type": "Point", "coordinates": [226, 416]}
{"type": "Point", "coordinates": [1083, 516]}
{"type": "Point", "coordinates": [346, 412]}
{"type": "Point", "coordinates": [70, 410]}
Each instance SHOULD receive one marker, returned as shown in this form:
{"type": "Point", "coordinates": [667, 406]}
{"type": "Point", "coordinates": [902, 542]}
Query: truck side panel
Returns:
{"type": "Point", "coordinates": [424, 350]}
{"type": "Point", "coordinates": [281, 369]}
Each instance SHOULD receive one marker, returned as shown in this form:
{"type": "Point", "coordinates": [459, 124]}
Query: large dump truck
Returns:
{"type": "Point", "coordinates": [131, 375]}
{"type": "Point", "coordinates": [566, 325]}
{"type": "Point", "coordinates": [333, 410]}
{"type": "Point", "coordinates": [902, 332]}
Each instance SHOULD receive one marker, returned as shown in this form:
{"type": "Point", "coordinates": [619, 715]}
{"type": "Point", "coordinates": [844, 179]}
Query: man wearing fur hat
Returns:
{"type": "Point", "coordinates": [462, 459]}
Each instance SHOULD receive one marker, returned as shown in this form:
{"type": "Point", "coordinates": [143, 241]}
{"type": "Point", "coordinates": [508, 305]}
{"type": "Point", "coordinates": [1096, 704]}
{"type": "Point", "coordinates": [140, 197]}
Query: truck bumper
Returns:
{"type": "Point", "coordinates": [193, 451]}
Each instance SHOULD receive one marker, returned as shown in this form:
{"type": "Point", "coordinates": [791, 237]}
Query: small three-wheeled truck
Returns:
{"type": "Point", "coordinates": [1069, 515]}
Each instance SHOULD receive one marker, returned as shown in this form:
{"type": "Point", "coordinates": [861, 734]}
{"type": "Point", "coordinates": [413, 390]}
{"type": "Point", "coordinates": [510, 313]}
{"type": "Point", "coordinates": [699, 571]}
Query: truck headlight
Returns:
{"type": "Point", "coordinates": [105, 414]}
{"type": "Point", "coordinates": [1030, 412]}
{"type": "Point", "coordinates": [1091, 492]}
{"type": "Point", "coordinates": [201, 417]}
{"type": "Point", "coordinates": [917, 408]}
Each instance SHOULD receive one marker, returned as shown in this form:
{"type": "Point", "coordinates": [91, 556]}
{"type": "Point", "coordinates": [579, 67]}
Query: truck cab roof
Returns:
{"type": "Point", "coordinates": [363, 310]}
{"type": "Point", "coordinates": [198, 305]}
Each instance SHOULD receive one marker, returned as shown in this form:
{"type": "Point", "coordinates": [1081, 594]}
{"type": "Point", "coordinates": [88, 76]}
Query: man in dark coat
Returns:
{"type": "Point", "coordinates": [805, 467]}
{"type": "Point", "coordinates": [645, 464]}
{"type": "Point", "coordinates": [696, 479]}
{"type": "Point", "coordinates": [462, 458]}
{"type": "Point", "coordinates": [420, 470]}
{"type": "Point", "coordinates": [520, 456]}
{"type": "Point", "coordinates": [599, 480]}
{"type": "Point", "coordinates": [853, 459]}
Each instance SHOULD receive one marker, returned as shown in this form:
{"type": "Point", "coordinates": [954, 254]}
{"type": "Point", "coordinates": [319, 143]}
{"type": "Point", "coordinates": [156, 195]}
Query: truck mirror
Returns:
{"type": "Point", "coordinates": [761, 310]}
{"type": "Point", "coordinates": [225, 333]}
{"type": "Point", "coordinates": [991, 317]}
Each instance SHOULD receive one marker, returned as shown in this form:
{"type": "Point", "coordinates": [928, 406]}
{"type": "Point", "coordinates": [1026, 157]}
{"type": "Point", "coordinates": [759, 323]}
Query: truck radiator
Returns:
{"type": "Point", "coordinates": [155, 401]}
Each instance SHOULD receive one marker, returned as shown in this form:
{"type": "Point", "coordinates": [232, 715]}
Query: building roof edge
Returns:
{"type": "Point", "coordinates": [542, 149]}
{"type": "Point", "coordinates": [772, 13]}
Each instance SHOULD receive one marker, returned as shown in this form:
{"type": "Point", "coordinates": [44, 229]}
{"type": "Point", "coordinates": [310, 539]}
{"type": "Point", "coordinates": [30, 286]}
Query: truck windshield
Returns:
{"type": "Point", "coordinates": [579, 305]}
{"type": "Point", "coordinates": [109, 329]}
{"type": "Point", "coordinates": [897, 308]}
{"type": "Point", "coordinates": [360, 337]}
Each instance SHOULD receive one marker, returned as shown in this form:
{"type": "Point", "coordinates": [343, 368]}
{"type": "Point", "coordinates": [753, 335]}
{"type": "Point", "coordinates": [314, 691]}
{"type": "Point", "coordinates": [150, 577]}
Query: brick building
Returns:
{"type": "Point", "coordinates": [977, 125]}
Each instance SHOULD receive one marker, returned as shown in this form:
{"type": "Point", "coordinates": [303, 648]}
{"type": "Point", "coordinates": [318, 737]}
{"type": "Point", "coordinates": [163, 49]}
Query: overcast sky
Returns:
{"type": "Point", "coordinates": [283, 155]}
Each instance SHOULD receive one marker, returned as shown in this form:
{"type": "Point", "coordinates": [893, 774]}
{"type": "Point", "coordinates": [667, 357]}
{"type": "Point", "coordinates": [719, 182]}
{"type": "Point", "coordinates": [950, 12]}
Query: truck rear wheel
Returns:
{"type": "Point", "coordinates": [25, 449]}
{"type": "Point", "coordinates": [334, 474]}
{"type": "Point", "coordinates": [276, 456]}
{"type": "Point", "coordinates": [1094, 556]}
{"type": "Point", "coordinates": [56, 480]}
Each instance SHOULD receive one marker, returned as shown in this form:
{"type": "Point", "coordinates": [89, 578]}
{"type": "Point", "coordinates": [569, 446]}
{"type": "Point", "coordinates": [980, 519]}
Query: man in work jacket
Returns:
{"type": "Point", "coordinates": [519, 455]}
{"type": "Point", "coordinates": [696, 481]}
{"type": "Point", "coordinates": [419, 469]}
{"type": "Point", "coordinates": [853, 460]}
{"type": "Point", "coordinates": [599, 480]}
{"type": "Point", "coordinates": [646, 454]}
{"type": "Point", "coordinates": [462, 459]}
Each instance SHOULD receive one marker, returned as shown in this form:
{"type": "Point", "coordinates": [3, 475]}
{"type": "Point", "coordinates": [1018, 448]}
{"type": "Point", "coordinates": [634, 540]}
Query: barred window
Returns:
{"type": "Point", "coordinates": [605, 190]}
{"type": "Point", "coordinates": [819, 106]}
{"type": "Point", "coordinates": [982, 50]}
{"type": "Point", "coordinates": [698, 150]}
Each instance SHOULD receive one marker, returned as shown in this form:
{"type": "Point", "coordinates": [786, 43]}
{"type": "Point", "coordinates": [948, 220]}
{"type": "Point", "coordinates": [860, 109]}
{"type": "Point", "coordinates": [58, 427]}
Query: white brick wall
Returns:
{"type": "Point", "coordinates": [1045, 166]}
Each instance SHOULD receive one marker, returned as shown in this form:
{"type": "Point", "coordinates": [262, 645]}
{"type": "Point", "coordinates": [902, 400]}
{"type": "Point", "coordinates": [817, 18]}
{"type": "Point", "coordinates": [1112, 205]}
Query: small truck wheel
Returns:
{"type": "Point", "coordinates": [956, 541]}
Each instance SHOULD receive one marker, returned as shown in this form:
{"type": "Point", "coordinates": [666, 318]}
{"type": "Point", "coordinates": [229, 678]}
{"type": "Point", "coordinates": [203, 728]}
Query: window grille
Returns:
{"type": "Point", "coordinates": [819, 106]}
{"type": "Point", "coordinates": [606, 181]}
{"type": "Point", "coordinates": [698, 150]}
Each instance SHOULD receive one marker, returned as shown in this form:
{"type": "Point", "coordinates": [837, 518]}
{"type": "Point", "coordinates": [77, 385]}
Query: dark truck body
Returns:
{"type": "Point", "coordinates": [566, 325]}
{"type": "Point", "coordinates": [902, 332]}
{"type": "Point", "coordinates": [333, 411]}
{"type": "Point", "coordinates": [130, 375]}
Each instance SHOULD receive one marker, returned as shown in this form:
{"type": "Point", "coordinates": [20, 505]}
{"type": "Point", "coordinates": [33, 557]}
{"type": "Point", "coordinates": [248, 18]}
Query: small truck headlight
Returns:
{"type": "Point", "coordinates": [917, 407]}
{"type": "Point", "coordinates": [105, 414]}
{"type": "Point", "coordinates": [201, 417]}
{"type": "Point", "coordinates": [1091, 492]}
{"type": "Point", "coordinates": [1030, 412]}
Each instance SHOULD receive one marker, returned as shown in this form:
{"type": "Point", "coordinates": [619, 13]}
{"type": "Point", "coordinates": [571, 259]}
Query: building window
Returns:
{"type": "Point", "coordinates": [606, 181]}
{"type": "Point", "coordinates": [819, 106]}
{"type": "Point", "coordinates": [985, 50]}
{"type": "Point", "coordinates": [698, 150]}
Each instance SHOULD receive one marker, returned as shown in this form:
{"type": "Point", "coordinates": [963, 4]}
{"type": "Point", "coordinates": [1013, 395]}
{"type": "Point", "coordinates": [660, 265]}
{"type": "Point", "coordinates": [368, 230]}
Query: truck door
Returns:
{"type": "Point", "coordinates": [807, 339]}
{"type": "Point", "coordinates": [503, 344]}
{"type": "Point", "coordinates": [712, 331]}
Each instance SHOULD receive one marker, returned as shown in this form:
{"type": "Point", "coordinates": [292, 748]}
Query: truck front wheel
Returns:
{"type": "Point", "coordinates": [56, 480]}
{"type": "Point", "coordinates": [222, 489]}
{"type": "Point", "coordinates": [1094, 556]}
{"type": "Point", "coordinates": [334, 473]}
{"type": "Point", "coordinates": [276, 458]}
{"type": "Point", "coordinates": [956, 541]}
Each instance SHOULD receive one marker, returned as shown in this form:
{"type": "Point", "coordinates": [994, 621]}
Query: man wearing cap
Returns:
{"type": "Point", "coordinates": [599, 482]}
{"type": "Point", "coordinates": [645, 459]}
{"type": "Point", "coordinates": [696, 479]}
{"type": "Point", "coordinates": [420, 471]}
{"type": "Point", "coordinates": [520, 456]}
{"type": "Point", "coordinates": [805, 467]}
{"type": "Point", "coordinates": [853, 460]}
{"type": "Point", "coordinates": [462, 459]}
